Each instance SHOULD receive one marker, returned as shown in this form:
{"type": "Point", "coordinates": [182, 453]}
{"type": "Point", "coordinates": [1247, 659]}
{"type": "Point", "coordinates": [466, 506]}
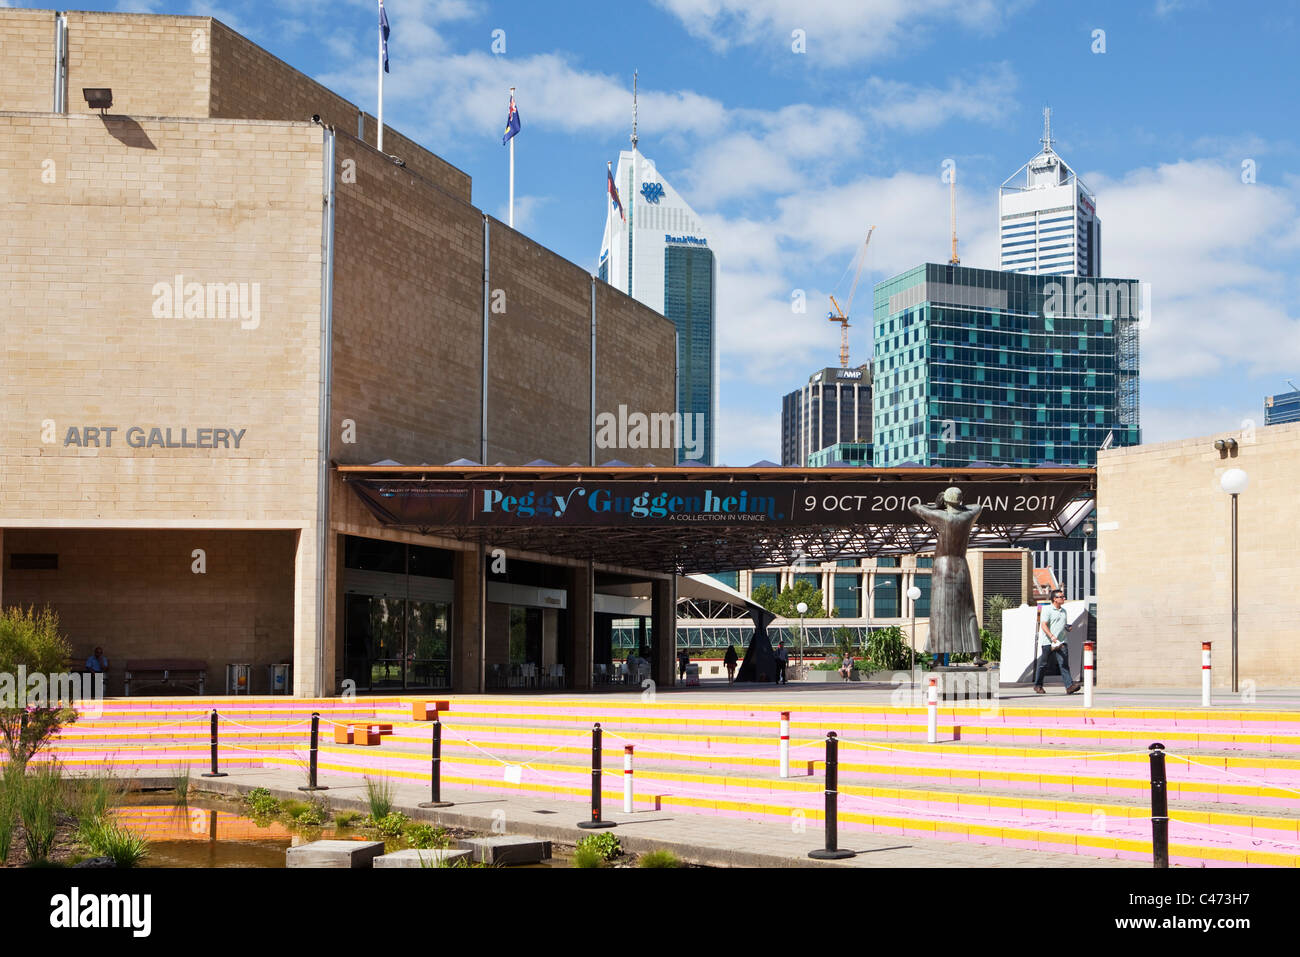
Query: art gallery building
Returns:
{"type": "Point", "coordinates": [209, 300]}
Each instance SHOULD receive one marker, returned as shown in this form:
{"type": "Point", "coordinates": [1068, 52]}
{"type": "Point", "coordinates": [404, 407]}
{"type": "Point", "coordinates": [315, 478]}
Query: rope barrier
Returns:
{"type": "Point", "coordinates": [1250, 837]}
{"type": "Point", "coordinates": [1257, 781]}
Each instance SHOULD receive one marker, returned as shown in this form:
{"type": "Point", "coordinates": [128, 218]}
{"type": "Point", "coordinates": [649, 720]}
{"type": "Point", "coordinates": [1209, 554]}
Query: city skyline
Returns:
{"type": "Point", "coordinates": [790, 155]}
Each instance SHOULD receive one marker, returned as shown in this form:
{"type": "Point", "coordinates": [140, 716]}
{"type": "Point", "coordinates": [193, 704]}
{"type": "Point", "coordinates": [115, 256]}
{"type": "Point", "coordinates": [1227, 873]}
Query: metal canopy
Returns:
{"type": "Point", "coordinates": [688, 521]}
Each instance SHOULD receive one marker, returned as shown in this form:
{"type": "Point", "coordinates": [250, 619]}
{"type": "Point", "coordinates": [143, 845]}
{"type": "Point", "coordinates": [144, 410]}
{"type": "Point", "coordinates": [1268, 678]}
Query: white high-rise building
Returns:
{"type": "Point", "coordinates": [1048, 221]}
{"type": "Point", "coordinates": [657, 252]}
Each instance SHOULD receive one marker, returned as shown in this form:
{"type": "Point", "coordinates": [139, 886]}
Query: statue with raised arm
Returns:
{"type": "Point", "coordinates": [953, 625]}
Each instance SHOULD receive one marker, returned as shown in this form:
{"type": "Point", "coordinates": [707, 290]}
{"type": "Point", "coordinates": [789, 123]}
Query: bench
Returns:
{"type": "Point", "coordinates": [164, 672]}
{"type": "Point", "coordinates": [365, 733]}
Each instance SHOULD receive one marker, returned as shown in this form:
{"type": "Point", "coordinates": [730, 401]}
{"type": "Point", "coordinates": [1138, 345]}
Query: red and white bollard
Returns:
{"type": "Point", "coordinates": [785, 744]}
{"type": "Point", "coordinates": [932, 705]}
{"type": "Point", "coordinates": [627, 779]}
{"type": "Point", "coordinates": [1205, 674]}
{"type": "Point", "coordinates": [1089, 659]}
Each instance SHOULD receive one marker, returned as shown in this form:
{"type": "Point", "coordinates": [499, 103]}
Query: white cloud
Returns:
{"type": "Point", "coordinates": [838, 31]}
{"type": "Point", "coordinates": [1209, 246]}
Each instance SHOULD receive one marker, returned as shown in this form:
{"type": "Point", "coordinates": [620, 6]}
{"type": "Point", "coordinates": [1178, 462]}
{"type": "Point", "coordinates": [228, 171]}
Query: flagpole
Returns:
{"type": "Point", "coordinates": [512, 168]}
{"type": "Point", "coordinates": [380, 117]}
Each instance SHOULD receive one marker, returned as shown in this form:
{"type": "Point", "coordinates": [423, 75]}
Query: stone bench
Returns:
{"type": "Point", "coordinates": [164, 672]}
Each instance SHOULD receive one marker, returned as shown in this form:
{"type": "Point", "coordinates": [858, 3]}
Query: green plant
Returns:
{"type": "Point", "coordinates": [92, 795]}
{"type": "Point", "coordinates": [605, 844]}
{"type": "Point", "coordinates": [659, 859]}
{"type": "Point", "coordinates": [391, 825]}
{"type": "Point", "coordinates": [38, 805]}
{"type": "Point", "coordinates": [313, 813]}
{"type": "Point", "coordinates": [887, 649]}
{"type": "Point", "coordinates": [379, 795]}
{"type": "Point", "coordinates": [10, 784]}
{"type": "Point", "coordinates": [261, 803]}
{"type": "Point", "coordinates": [106, 839]}
{"type": "Point", "coordinates": [425, 836]}
{"type": "Point", "coordinates": [30, 640]}
{"type": "Point", "coordinates": [587, 857]}
{"type": "Point", "coordinates": [346, 818]}
{"type": "Point", "coordinates": [181, 784]}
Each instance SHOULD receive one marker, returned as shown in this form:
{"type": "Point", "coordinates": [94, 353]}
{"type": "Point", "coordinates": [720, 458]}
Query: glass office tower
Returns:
{"type": "Point", "coordinates": [657, 252]}
{"type": "Point", "coordinates": [981, 366]}
{"type": "Point", "coordinates": [1282, 408]}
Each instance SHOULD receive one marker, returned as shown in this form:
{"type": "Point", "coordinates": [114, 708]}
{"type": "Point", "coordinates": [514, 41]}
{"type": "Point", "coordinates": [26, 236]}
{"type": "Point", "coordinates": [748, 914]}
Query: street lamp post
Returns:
{"type": "Point", "coordinates": [1234, 482]}
{"type": "Point", "coordinates": [802, 608]}
{"type": "Point", "coordinates": [1088, 589]}
{"type": "Point", "coordinates": [913, 594]}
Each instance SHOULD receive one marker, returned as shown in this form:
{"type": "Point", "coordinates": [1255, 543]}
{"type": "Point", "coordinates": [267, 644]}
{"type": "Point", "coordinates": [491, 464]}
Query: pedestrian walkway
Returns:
{"type": "Point", "coordinates": [1039, 775]}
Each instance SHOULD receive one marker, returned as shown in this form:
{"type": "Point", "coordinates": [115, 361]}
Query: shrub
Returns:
{"type": "Point", "coordinates": [659, 859]}
{"type": "Point", "coordinates": [30, 639]}
{"type": "Point", "coordinates": [106, 839]}
{"type": "Point", "coordinates": [261, 803]}
{"type": "Point", "coordinates": [346, 818]}
{"type": "Point", "coordinates": [379, 795]}
{"type": "Point", "coordinates": [605, 844]}
{"type": "Point", "coordinates": [887, 649]}
{"type": "Point", "coordinates": [38, 804]}
{"type": "Point", "coordinates": [314, 813]}
{"type": "Point", "coordinates": [391, 825]}
{"type": "Point", "coordinates": [293, 808]}
{"type": "Point", "coordinates": [587, 857]}
{"type": "Point", "coordinates": [425, 836]}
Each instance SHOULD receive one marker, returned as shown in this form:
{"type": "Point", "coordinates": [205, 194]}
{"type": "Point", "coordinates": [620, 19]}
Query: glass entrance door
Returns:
{"type": "Point", "coordinates": [396, 644]}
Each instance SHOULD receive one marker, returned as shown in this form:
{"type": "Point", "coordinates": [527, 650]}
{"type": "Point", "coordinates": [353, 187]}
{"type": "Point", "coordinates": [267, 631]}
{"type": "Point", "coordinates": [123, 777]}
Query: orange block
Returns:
{"type": "Point", "coordinates": [365, 735]}
{"type": "Point", "coordinates": [342, 734]}
{"type": "Point", "coordinates": [428, 710]}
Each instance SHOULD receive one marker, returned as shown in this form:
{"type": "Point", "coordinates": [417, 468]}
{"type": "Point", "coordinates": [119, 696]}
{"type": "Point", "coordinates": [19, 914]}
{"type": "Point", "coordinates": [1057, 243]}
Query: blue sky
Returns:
{"type": "Point", "coordinates": [788, 157]}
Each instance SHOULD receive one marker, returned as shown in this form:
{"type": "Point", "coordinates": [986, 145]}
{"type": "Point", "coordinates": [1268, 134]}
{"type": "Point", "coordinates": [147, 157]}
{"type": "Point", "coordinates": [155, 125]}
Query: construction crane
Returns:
{"type": "Point", "coordinates": [842, 315]}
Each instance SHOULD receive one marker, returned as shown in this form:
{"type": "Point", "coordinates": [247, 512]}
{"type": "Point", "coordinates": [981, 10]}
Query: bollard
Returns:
{"type": "Point", "coordinates": [595, 783]}
{"type": "Point", "coordinates": [785, 744]}
{"type": "Point", "coordinates": [1089, 658]}
{"type": "Point", "coordinates": [214, 773]}
{"type": "Point", "coordinates": [1205, 674]}
{"type": "Point", "coordinates": [932, 706]}
{"type": "Point", "coordinates": [311, 767]}
{"type": "Point", "coordinates": [831, 851]}
{"type": "Point", "coordinates": [627, 779]}
{"type": "Point", "coordinates": [1159, 807]}
{"type": "Point", "coordinates": [435, 779]}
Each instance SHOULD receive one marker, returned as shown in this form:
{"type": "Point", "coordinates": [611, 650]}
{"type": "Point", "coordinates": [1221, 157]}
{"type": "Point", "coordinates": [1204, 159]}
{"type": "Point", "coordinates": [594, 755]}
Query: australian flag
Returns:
{"type": "Point", "coordinates": [383, 32]}
{"type": "Point", "coordinates": [512, 122]}
{"type": "Point", "coordinates": [613, 194]}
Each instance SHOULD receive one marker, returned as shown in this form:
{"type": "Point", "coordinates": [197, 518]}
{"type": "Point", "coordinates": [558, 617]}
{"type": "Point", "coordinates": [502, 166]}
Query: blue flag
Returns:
{"type": "Point", "coordinates": [383, 32]}
{"type": "Point", "coordinates": [512, 122]}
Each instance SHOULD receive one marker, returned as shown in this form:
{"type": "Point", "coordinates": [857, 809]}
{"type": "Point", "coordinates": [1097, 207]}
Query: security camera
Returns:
{"type": "Point", "coordinates": [315, 118]}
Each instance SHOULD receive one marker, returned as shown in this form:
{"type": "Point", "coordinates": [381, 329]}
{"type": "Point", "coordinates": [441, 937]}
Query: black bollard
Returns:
{"type": "Point", "coordinates": [1159, 807]}
{"type": "Point", "coordinates": [435, 795]}
{"type": "Point", "coordinates": [595, 821]}
{"type": "Point", "coordinates": [214, 773]}
{"type": "Point", "coordinates": [311, 768]}
{"type": "Point", "coordinates": [831, 852]}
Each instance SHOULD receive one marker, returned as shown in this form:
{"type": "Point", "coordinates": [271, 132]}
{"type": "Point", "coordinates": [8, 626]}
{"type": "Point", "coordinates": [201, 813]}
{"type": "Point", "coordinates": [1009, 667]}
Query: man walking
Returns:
{"type": "Point", "coordinates": [782, 656]}
{"type": "Point", "coordinates": [1050, 642]}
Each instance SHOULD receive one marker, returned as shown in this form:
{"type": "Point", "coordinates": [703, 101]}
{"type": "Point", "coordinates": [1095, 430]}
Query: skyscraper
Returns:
{"type": "Point", "coordinates": [657, 252]}
{"type": "Point", "coordinates": [978, 365]}
{"type": "Point", "coordinates": [832, 412]}
{"type": "Point", "coordinates": [1282, 408]}
{"type": "Point", "coordinates": [1047, 218]}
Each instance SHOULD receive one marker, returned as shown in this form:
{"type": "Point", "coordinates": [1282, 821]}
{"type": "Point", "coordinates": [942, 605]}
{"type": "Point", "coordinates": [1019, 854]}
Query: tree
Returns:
{"type": "Point", "coordinates": [786, 605]}
{"type": "Point", "coordinates": [764, 595]}
{"type": "Point", "coordinates": [32, 648]}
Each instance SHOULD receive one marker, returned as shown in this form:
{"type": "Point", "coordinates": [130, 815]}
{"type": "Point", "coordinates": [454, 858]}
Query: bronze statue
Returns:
{"type": "Point", "coordinates": [953, 625]}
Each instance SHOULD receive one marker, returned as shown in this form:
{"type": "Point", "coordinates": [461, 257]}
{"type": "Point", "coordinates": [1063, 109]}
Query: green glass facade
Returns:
{"type": "Point", "coordinates": [977, 365]}
{"type": "Point", "coordinates": [689, 303]}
